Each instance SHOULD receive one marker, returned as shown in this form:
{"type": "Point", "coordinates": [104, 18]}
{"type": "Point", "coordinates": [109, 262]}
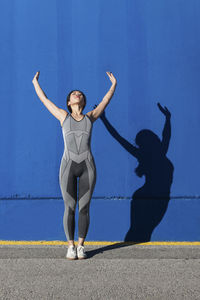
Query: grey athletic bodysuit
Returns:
{"type": "Point", "coordinates": [77, 162]}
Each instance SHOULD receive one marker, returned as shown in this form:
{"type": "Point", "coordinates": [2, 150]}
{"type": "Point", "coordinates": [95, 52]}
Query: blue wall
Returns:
{"type": "Point", "coordinates": [152, 47]}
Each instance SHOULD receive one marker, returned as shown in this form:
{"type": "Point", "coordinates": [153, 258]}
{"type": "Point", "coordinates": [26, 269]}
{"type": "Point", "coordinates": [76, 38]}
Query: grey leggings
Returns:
{"type": "Point", "coordinates": [70, 171]}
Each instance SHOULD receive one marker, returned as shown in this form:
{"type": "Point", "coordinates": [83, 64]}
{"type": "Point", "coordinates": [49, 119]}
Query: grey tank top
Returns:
{"type": "Point", "coordinates": [77, 138]}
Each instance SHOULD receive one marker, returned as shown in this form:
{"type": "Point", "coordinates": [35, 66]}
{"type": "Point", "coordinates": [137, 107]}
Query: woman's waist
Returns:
{"type": "Point", "coordinates": [77, 147]}
{"type": "Point", "coordinates": [78, 156]}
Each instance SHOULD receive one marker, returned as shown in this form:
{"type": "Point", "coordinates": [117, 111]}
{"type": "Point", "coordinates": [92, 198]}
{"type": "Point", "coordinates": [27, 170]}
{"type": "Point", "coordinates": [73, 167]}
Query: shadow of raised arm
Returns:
{"type": "Point", "coordinates": [128, 146]}
{"type": "Point", "coordinates": [166, 134]}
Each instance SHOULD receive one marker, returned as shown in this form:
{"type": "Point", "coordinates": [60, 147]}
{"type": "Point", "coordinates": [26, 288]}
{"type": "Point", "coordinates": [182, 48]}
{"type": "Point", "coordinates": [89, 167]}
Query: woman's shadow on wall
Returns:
{"type": "Point", "coordinates": [149, 203]}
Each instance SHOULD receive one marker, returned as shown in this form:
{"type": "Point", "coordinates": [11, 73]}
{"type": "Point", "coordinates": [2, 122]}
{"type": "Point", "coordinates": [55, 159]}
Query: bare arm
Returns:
{"type": "Point", "coordinates": [95, 113]}
{"type": "Point", "coordinates": [59, 113]}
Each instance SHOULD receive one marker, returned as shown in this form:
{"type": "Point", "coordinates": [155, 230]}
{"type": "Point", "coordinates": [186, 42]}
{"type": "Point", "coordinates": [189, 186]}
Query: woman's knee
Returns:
{"type": "Point", "coordinates": [84, 209]}
{"type": "Point", "coordinates": [71, 207]}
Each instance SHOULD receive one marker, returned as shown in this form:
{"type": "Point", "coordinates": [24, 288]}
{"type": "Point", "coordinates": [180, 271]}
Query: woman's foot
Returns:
{"type": "Point", "coordinates": [81, 252]}
{"type": "Point", "coordinates": [71, 252]}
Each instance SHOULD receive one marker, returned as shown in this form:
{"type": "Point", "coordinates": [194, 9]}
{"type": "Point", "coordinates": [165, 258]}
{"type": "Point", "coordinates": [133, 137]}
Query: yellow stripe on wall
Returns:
{"type": "Point", "coordinates": [97, 243]}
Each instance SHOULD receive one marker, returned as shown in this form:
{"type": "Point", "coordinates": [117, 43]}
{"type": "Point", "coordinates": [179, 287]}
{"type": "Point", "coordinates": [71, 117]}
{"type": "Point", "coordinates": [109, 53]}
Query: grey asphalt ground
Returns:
{"type": "Point", "coordinates": [110, 272]}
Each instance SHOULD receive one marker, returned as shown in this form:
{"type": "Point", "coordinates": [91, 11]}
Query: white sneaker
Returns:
{"type": "Point", "coordinates": [81, 252]}
{"type": "Point", "coordinates": [71, 252]}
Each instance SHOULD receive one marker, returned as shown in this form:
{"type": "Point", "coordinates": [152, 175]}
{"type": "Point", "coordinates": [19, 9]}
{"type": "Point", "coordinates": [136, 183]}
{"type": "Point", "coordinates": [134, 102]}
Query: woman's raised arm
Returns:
{"type": "Point", "coordinates": [95, 113]}
{"type": "Point", "coordinates": [59, 113]}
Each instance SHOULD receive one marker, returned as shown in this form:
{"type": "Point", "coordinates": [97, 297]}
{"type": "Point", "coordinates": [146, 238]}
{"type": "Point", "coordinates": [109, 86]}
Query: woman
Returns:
{"type": "Point", "coordinates": [77, 160]}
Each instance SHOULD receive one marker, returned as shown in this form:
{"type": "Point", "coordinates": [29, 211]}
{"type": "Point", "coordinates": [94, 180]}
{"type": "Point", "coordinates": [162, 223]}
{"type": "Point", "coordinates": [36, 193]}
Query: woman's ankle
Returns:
{"type": "Point", "coordinates": [71, 243]}
{"type": "Point", "coordinates": [81, 241]}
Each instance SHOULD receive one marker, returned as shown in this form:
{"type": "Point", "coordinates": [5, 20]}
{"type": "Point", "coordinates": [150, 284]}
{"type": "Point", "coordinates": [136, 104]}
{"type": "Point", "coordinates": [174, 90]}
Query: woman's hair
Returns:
{"type": "Point", "coordinates": [68, 98]}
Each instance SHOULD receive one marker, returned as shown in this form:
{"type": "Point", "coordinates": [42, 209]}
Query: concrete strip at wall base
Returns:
{"type": "Point", "coordinates": [110, 220]}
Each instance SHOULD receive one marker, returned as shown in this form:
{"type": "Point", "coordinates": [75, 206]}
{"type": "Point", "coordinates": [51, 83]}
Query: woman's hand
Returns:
{"type": "Point", "coordinates": [164, 110]}
{"type": "Point", "coordinates": [35, 78]}
{"type": "Point", "coordinates": [112, 78]}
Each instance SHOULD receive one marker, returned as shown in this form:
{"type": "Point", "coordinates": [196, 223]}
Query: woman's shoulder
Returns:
{"type": "Point", "coordinates": [63, 116]}
{"type": "Point", "coordinates": [89, 114]}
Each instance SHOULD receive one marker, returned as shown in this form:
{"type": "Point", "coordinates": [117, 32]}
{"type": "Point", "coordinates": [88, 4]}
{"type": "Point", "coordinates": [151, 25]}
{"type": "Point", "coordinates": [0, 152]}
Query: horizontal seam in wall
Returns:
{"type": "Point", "coordinates": [101, 198]}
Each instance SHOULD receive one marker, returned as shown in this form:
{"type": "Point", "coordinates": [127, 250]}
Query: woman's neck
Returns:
{"type": "Point", "coordinates": [77, 110]}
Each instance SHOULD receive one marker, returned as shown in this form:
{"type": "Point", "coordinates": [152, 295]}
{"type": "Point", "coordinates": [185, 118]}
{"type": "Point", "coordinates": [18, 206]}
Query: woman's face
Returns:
{"type": "Point", "coordinates": [76, 97]}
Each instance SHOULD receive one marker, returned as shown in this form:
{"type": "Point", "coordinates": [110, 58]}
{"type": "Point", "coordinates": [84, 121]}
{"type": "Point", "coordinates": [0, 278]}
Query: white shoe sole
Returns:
{"type": "Point", "coordinates": [71, 258]}
{"type": "Point", "coordinates": [81, 257]}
